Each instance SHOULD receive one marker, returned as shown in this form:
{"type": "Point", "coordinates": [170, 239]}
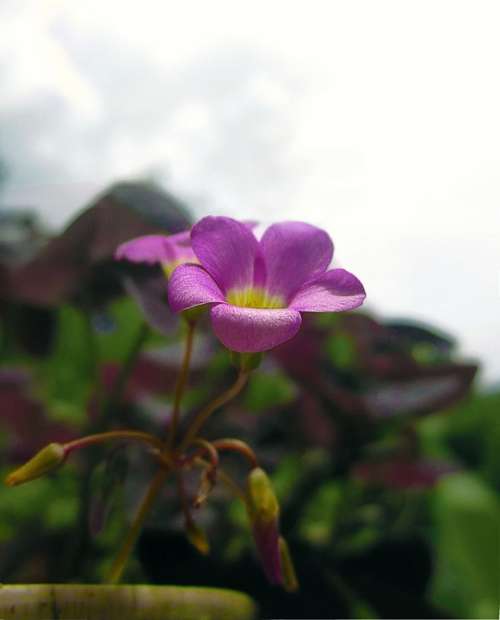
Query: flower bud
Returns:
{"type": "Point", "coordinates": [263, 503]}
{"type": "Point", "coordinates": [197, 537]}
{"type": "Point", "coordinates": [290, 581]}
{"type": "Point", "coordinates": [263, 511]}
{"type": "Point", "coordinates": [45, 461]}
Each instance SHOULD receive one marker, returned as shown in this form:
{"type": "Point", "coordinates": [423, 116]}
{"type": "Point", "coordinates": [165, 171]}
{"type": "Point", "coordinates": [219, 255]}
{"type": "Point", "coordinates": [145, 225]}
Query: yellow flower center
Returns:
{"type": "Point", "coordinates": [253, 297]}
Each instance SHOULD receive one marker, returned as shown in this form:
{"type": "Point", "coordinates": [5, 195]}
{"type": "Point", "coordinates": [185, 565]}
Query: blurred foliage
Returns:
{"type": "Point", "coordinates": [383, 453]}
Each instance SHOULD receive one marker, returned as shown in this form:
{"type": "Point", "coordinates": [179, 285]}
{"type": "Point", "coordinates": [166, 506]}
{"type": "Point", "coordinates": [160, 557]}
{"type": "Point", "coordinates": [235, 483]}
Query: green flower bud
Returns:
{"type": "Point", "coordinates": [45, 461]}
{"type": "Point", "coordinates": [290, 582]}
{"type": "Point", "coordinates": [263, 504]}
{"type": "Point", "coordinates": [263, 511]}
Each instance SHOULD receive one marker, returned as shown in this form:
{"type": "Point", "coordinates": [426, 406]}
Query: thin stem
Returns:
{"type": "Point", "coordinates": [181, 383]}
{"type": "Point", "coordinates": [181, 492]}
{"type": "Point", "coordinates": [210, 449]}
{"type": "Point", "coordinates": [98, 438]}
{"type": "Point", "coordinates": [215, 404]}
{"type": "Point", "coordinates": [157, 482]}
{"type": "Point", "coordinates": [236, 445]}
{"type": "Point", "coordinates": [134, 531]}
{"type": "Point", "coordinates": [209, 475]}
{"type": "Point", "coordinates": [227, 479]}
{"type": "Point", "coordinates": [77, 555]}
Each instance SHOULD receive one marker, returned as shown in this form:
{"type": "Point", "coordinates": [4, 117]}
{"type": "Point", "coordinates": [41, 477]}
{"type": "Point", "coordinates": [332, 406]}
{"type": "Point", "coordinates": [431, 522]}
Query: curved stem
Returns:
{"type": "Point", "coordinates": [210, 449]}
{"type": "Point", "coordinates": [236, 445]}
{"type": "Point", "coordinates": [158, 481]}
{"type": "Point", "coordinates": [227, 479]}
{"type": "Point", "coordinates": [184, 500]}
{"type": "Point", "coordinates": [181, 383]}
{"type": "Point", "coordinates": [215, 404]}
{"type": "Point", "coordinates": [98, 438]}
{"type": "Point", "coordinates": [143, 511]}
{"type": "Point", "coordinates": [75, 565]}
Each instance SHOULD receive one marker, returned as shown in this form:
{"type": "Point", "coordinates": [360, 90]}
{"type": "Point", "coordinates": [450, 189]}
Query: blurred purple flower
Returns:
{"type": "Point", "coordinates": [168, 251]}
{"type": "Point", "coordinates": [258, 289]}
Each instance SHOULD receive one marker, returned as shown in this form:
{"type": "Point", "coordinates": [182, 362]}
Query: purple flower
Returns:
{"type": "Point", "coordinates": [169, 251]}
{"type": "Point", "coordinates": [258, 289]}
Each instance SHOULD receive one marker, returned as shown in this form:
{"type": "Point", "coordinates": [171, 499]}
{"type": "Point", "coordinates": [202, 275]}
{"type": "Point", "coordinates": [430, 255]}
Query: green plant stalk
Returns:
{"type": "Point", "coordinates": [75, 561]}
{"type": "Point", "coordinates": [181, 383]}
{"type": "Point", "coordinates": [206, 412]}
{"type": "Point", "coordinates": [121, 559]}
{"type": "Point", "coordinates": [97, 438]}
{"type": "Point", "coordinates": [120, 562]}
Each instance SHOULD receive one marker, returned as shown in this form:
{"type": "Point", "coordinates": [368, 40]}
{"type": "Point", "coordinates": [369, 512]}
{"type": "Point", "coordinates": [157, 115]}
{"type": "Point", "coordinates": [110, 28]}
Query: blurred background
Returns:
{"type": "Point", "coordinates": [376, 121]}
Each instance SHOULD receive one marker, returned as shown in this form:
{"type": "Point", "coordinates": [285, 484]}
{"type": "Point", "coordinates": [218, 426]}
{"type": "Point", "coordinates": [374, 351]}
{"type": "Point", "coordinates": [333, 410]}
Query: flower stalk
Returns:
{"type": "Point", "coordinates": [181, 383]}
{"type": "Point", "coordinates": [238, 446]}
{"type": "Point", "coordinates": [97, 438]}
{"type": "Point", "coordinates": [215, 404]}
{"type": "Point", "coordinates": [54, 455]}
{"type": "Point", "coordinates": [121, 559]}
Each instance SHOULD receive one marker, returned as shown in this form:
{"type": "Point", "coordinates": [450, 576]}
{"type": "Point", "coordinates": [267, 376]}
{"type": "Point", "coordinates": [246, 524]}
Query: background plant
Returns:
{"type": "Point", "coordinates": [382, 453]}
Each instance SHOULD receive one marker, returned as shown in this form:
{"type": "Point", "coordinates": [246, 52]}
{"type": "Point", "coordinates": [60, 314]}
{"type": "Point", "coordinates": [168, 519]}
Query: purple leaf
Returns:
{"type": "Point", "coordinates": [430, 389]}
{"type": "Point", "coordinates": [76, 258]}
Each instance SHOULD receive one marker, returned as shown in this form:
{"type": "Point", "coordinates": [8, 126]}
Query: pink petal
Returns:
{"type": "Point", "coordinates": [334, 291]}
{"type": "Point", "coordinates": [190, 286]}
{"type": "Point", "coordinates": [181, 243]}
{"type": "Point", "coordinates": [227, 249]}
{"type": "Point", "coordinates": [294, 252]}
{"type": "Point", "coordinates": [250, 330]}
{"type": "Point", "coordinates": [149, 249]}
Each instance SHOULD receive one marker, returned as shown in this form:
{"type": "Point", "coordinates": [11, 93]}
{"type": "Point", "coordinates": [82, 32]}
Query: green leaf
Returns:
{"type": "Point", "coordinates": [320, 514]}
{"type": "Point", "coordinates": [268, 389]}
{"type": "Point", "coordinates": [467, 517]}
{"type": "Point", "coordinates": [340, 349]}
{"type": "Point", "coordinates": [67, 377]}
{"type": "Point", "coordinates": [115, 345]}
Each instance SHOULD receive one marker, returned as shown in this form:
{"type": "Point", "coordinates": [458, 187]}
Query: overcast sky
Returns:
{"type": "Point", "coordinates": [376, 120]}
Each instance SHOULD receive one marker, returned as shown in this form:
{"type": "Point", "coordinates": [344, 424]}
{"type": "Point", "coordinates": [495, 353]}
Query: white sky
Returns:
{"type": "Point", "coordinates": [376, 120]}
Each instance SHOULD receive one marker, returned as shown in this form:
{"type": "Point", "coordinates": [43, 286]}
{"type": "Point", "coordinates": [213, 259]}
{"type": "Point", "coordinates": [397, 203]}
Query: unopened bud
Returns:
{"type": "Point", "coordinates": [197, 538]}
{"type": "Point", "coordinates": [45, 461]}
{"type": "Point", "coordinates": [263, 511]}
{"type": "Point", "coordinates": [262, 501]}
{"type": "Point", "coordinates": [290, 581]}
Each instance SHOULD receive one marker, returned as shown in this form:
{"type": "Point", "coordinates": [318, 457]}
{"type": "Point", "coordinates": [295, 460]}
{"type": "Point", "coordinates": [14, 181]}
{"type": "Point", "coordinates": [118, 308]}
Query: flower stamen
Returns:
{"type": "Point", "coordinates": [254, 297]}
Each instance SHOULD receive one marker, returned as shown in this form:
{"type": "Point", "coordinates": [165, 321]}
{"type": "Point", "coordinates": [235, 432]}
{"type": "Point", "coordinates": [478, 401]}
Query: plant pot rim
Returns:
{"type": "Point", "coordinates": [37, 601]}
